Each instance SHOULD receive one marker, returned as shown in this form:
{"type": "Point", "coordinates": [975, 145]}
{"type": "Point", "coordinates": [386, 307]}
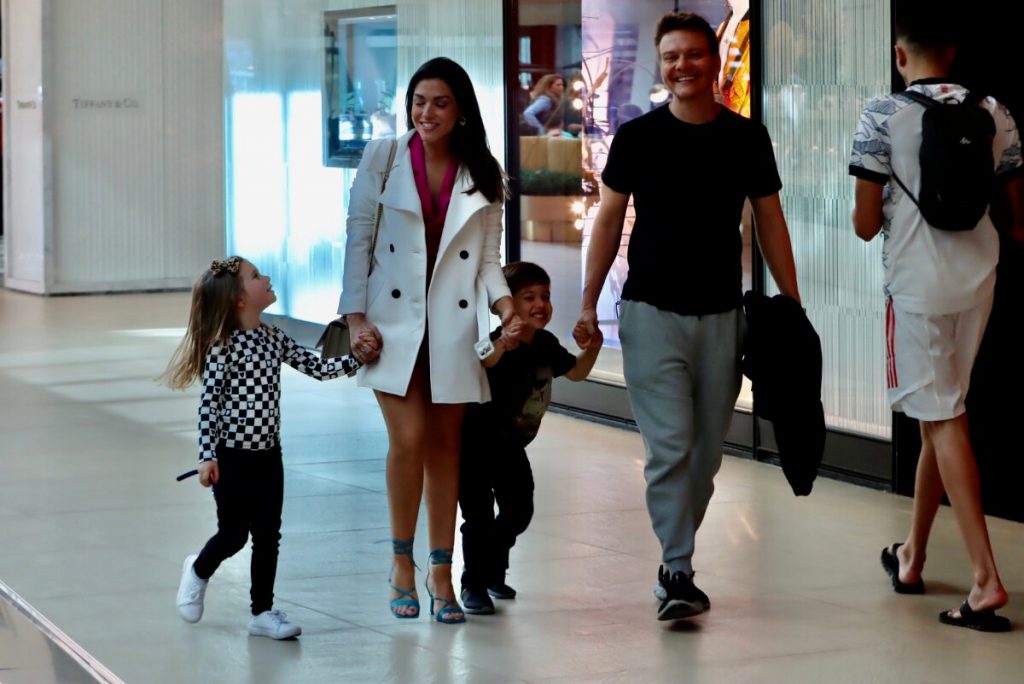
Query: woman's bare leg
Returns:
{"type": "Point", "coordinates": [441, 462]}
{"type": "Point", "coordinates": [407, 420]}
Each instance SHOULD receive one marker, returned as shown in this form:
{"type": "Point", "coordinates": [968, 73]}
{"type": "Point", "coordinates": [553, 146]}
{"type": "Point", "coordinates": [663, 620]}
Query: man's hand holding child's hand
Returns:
{"type": "Point", "coordinates": [593, 340]}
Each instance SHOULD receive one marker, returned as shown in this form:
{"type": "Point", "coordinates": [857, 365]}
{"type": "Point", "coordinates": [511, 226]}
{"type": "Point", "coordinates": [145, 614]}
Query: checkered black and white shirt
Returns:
{"type": "Point", "coordinates": [240, 406]}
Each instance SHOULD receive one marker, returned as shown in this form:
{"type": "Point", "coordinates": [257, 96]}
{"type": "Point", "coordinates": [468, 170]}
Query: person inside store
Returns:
{"type": "Point", "coordinates": [413, 306]}
{"type": "Point", "coordinates": [544, 114]}
{"type": "Point", "coordinates": [681, 320]}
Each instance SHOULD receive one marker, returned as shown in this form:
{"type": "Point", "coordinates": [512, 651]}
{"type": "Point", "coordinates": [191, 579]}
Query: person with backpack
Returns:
{"type": "Point", "coordinates": [927, 162]}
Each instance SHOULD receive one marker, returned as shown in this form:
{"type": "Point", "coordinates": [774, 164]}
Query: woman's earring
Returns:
{"type": "Point", "coordinates": [462, 121]}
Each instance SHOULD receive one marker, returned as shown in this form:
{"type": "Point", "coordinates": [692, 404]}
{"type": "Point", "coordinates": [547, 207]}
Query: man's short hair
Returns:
{"type": "Point", "coordinates": [925, 24]}
{"type": "Point", "coordinates": [686, 21]}
{"type": "Point", "coordinates": [523, 274]}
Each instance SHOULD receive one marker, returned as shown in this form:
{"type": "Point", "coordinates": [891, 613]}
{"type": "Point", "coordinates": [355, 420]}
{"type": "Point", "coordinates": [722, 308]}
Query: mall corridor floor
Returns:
{"type": "Point", "coordinates": [94, 527]}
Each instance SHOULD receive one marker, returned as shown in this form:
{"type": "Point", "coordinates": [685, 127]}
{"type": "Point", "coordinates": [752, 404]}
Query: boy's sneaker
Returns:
{"type": "Point", "coordinates": [682, 597]}
{"type": "Point", "coordinates": [191, 591]}
{"type": "Point", "coordinates": [273, 624]}
{"type": "Point", "coordinates": [476, 602]}
{"type": "Point", "coordinates": [501, 591]}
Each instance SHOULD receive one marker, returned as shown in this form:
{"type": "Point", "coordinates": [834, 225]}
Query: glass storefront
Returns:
{"type": "Point", "coordinates": [306, 83]}
{"type": "Point", "coordinates": [293, 107]}
{"type": "Point", "coordinates": [603, 51]}
{"type": "Point", "coordinates": [808, 88]}
{"type": "Point", "coordinates": [815, 86]}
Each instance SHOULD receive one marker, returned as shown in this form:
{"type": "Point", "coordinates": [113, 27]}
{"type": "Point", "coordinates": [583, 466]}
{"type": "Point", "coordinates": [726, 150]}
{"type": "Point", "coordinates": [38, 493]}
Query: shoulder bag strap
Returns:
{"type": "Point", "coordinates": [380, 206]}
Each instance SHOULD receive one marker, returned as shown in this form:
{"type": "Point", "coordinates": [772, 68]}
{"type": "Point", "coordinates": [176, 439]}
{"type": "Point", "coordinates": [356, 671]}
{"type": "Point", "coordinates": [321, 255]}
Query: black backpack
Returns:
{"type": "Point", "coordinates": [957, 167]}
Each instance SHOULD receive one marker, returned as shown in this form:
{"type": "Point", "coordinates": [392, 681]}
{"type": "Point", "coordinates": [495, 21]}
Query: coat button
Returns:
{"type": "Point", "coordinates": [463, 304]}
{"type": "Point", "coordinates": [464, 254]}
{"type": "Point", "coordinates": [392, 248]}
{"type": "Point", "coordinates": [396, 293]}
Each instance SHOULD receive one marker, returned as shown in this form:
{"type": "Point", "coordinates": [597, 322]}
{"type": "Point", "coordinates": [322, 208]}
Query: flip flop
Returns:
{"type": "Point", "coordinates": [981, 620]}
{"type": "Point", "coordinates": [891, 563]}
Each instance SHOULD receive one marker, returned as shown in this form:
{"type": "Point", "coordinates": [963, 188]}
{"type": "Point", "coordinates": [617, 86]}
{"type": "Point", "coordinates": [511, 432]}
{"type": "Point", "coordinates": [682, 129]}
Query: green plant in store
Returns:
{"type": "Point", "coordinates": [550, 183]}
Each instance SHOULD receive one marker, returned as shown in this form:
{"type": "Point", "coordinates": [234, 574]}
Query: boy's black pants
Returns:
{"type": "Point", "coordinates": [491, 473]}
{"type": "Point", "coordinates": [249, 496]}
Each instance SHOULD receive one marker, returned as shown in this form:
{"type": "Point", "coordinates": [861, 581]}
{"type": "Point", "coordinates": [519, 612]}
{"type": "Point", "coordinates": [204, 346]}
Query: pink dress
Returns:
{"type": "Point", "coordinates": [434, 213]}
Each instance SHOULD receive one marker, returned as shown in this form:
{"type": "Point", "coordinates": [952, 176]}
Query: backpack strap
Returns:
{"type": "Point", "coordinates": [972, 98]}
{"type": "Point", "coordinates": [919, 98]}
{"type": "Point", "coordinates": [927, 103]}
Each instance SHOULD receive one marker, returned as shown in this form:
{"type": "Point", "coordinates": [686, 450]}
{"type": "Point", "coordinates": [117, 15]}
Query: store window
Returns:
{"type": "Point", "coordinates": [816, 84]}
{"type": "Point", "coordinates": [360, 70]}
{"type": "Point", "coordinates": [603, 51]}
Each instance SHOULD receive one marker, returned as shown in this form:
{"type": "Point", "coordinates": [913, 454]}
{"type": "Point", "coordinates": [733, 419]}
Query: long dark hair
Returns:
{"type": "Point", "coordinates": [469, 140]}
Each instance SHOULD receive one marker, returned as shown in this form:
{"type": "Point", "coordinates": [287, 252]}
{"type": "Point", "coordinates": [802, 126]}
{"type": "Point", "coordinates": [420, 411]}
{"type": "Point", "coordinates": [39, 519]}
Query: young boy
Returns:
{"type": "Point", "coordinates": [939, 287]}
{"type": "Point", "coordinates": [494, 467]}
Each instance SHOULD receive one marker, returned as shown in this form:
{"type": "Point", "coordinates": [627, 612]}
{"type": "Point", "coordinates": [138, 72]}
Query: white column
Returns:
{"type": "Point", "coordinates": [26, 168]}
{"type": "Point", "coordinates": [115, 144]}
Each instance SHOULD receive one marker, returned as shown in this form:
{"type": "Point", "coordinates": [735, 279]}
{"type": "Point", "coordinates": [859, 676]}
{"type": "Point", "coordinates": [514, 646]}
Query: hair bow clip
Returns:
{"type": "Point", "coordinates": [225, 266]}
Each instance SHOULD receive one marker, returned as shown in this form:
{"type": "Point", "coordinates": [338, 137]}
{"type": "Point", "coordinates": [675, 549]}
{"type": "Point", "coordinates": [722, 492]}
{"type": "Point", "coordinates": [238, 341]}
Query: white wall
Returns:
{"type": "Point", "coordinates": [117, 175]}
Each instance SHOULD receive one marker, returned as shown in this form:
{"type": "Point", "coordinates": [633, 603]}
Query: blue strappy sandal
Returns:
{"type": "Point", "coordinates": [406, 597]}
{"type": "Point", "coordinates": [449, 606]}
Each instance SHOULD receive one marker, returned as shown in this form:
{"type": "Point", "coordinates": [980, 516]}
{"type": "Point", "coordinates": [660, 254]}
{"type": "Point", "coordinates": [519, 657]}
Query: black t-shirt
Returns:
{"type": "Point", "coordinates": [689, 182]}
{"type": "Point", "coordinates": [520, 389]}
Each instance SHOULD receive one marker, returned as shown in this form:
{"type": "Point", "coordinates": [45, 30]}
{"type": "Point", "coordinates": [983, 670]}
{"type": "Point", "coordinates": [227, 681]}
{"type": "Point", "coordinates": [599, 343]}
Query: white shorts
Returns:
{"type": "Point", "coordinates": [929, 359]}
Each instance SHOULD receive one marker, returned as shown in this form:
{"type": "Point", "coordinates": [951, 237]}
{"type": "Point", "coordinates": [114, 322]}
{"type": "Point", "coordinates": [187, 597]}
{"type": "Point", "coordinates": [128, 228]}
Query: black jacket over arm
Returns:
{"type": "Point", "coordinates": [782, 358]}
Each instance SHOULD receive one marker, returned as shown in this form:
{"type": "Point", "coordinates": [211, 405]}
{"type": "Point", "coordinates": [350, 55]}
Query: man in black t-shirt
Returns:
{"type": "Point", "coordinates": [689, 167]}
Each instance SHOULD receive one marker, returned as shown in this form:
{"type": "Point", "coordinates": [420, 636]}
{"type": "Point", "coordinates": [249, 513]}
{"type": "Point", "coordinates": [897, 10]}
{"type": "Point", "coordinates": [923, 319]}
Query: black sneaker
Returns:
{"type": "Point", "coordinates": [661, 588]}
{"type": "Point", "coordinates": [476, 602]}
{"type": "Point", "coordinates": [501, 591]}
{"type": "Point", "coordinates": [683, 599]}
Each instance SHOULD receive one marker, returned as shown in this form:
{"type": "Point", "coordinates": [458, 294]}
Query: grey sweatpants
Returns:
{"type": "Point", "coordinates": [683, 377]}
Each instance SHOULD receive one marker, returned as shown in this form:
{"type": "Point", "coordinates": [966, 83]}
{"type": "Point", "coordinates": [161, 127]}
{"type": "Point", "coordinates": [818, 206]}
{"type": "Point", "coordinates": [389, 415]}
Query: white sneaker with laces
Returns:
{"type": "Point", "coordinates": [273, 624]}
{"type": "Point", "coordinates": [191, 591]}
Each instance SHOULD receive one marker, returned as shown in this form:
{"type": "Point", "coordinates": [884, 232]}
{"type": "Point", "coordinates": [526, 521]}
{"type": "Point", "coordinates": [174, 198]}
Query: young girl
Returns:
{"type": "Point", "coordinates": [239, 359]}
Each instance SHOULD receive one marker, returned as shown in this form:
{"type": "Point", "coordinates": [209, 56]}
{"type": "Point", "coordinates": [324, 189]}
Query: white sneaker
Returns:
{"type": "Point", "coordinates": [273, 624]}
{"type": "Point", "coordinates": [191, 591]}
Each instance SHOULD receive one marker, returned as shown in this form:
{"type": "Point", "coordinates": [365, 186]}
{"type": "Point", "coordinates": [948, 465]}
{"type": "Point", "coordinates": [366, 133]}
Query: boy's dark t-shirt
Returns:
{"type": "Point", "coordinates": [689, 182]}
{"type": "Point", "coordinates": [520, 389]}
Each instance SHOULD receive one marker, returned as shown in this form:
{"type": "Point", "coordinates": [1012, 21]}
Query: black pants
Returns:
{"type": "Point", "coordinates": [492, 473]}
{"type": "Point", "coordinates": [249, 495]}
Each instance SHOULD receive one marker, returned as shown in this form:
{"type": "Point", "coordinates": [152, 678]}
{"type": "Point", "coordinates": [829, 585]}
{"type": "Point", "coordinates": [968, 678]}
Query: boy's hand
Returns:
{"type": "Point", "coordinates": [511, 333]}
{"type": "Point", "coordinates": [586, 327]}
{"type": "Point", "coordinates": [209, 473]}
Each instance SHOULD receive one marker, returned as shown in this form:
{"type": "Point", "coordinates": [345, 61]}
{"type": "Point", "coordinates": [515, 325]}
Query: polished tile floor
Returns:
{"type": "Point", "coordinates": [93, 529]}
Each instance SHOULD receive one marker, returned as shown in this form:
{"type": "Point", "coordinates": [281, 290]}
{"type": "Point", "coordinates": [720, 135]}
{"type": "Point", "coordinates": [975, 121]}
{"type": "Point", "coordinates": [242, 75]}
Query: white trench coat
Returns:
{"type": "Point", "coordinates": [467, 278]}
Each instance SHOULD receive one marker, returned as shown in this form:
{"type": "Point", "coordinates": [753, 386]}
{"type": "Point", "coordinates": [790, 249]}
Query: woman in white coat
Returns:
{"type": "Point", "coordinates": [415, 318]}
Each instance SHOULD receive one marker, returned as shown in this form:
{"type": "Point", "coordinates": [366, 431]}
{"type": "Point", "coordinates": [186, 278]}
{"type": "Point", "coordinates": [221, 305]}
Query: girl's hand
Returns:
{"type": "Point", "coordinates": [366, 339]}
{"type": "Point", "coordinates": [209, 473]}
